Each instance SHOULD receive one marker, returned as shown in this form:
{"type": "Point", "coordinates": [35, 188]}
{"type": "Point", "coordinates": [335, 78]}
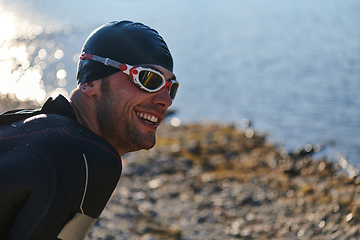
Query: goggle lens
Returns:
{"type": "Point", "coordinates": [150, 80]}
{"type": "Point", "coordinates": [153, 81]}
{"type": "Point", "coordinates": [173, 89]}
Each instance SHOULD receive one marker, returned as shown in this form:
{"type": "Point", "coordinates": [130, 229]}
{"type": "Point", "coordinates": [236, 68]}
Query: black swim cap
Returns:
{"type": "Point", "coordinates": [125, 42]}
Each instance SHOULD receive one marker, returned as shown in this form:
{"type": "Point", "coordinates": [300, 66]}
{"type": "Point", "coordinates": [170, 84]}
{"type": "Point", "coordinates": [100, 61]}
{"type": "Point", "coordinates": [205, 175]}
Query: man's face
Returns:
{"type": "Point", "coordinates": [128, 116]}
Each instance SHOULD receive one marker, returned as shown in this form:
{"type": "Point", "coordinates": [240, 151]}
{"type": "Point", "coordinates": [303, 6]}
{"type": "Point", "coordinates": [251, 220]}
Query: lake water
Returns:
{"type": "Point", "coordinates": [291, 67]}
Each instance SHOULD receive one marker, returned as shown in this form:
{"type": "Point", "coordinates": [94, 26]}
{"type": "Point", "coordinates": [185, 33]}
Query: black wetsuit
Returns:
{"type": "Point", "coordinates": [56, 176]}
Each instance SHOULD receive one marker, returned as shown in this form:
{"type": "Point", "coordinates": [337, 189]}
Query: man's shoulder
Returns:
{"type": "Point", "coordinates": [54, 127]}
{"type": "Point", "coordinates": [66, 132]}
{"type": "Point", "coordinates": [53, 131]}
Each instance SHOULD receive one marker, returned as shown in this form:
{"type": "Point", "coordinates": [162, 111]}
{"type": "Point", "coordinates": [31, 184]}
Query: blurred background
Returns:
{"type": "Point", "coordinates": [288, 68]}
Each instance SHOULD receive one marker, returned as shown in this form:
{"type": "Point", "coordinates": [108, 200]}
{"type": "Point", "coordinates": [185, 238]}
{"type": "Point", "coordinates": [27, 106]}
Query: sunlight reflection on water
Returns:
{"type": "Point", "coordinates": [29, 55]}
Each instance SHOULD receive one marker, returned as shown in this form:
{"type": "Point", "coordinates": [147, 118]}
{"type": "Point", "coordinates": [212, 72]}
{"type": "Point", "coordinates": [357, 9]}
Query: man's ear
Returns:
{"type": "Point", "coordinates": [90, 88]}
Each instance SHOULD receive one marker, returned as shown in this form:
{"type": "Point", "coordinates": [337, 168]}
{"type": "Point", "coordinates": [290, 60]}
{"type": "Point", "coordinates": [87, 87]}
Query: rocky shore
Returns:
{"type": "Point", "coordinates": [216, 182]}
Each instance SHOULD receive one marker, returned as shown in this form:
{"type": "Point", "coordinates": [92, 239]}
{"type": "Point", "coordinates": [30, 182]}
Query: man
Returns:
{"type": "Point", "coordinates": [60, 164]}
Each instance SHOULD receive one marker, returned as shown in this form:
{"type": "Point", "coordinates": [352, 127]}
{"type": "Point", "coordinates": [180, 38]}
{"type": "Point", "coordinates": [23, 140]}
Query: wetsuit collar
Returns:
{"type": "Point", "coordinates": [60, 105]}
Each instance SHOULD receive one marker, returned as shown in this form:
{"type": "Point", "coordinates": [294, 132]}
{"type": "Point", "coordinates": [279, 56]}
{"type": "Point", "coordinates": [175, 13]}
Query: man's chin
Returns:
{"type": "Point", "coordinates": [146, 144]}
{"type": "Point", "coordinates": [150, 144]}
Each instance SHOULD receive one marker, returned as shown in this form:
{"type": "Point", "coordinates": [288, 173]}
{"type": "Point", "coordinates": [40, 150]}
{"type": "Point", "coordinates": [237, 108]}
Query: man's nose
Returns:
{"type": "Point", "coordinates": [163, 97]}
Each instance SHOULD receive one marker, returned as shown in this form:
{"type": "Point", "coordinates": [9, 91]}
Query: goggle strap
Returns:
{"type": "Point", "coordinates": [105, 61]}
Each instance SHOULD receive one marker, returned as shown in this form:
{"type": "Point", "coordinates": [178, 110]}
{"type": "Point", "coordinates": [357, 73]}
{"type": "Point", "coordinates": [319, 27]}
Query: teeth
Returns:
{"type": "Point", "coordinates": [147, 117]}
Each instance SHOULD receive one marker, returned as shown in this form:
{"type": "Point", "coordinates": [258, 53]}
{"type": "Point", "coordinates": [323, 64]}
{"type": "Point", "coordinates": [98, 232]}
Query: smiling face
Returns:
{"type": "Point", "coordinates": [128, 116]}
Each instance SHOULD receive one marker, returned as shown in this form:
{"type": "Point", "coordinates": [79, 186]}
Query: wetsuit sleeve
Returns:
{"type": "Point", "coordinates": [27, 185]}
